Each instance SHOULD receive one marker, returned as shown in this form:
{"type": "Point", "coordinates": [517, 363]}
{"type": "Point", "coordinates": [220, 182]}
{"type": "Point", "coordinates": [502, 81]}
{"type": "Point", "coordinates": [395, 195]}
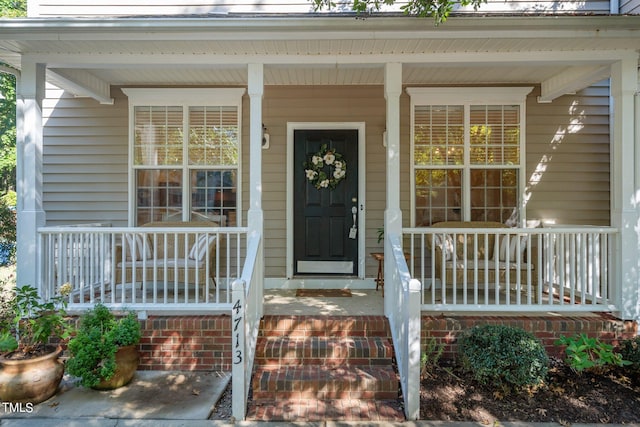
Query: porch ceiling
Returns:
{"type": "Point", "coordinates": [88, 56]}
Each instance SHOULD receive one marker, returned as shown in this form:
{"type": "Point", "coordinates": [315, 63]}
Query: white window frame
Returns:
{"type": "Point", "coordinates": [185, 98]}
{"type": "Point", "coordinates": [468, 96]}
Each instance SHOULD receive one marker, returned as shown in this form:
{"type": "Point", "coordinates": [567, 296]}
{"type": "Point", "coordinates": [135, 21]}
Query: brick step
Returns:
{"type": "Point", "coordinates": [324, 382]}
{"type": "Point", "coordinates": [318, 368]}
{"type": "Point", "coordinates": [314, 410]}
{"type": "Point", "coordinates": [343, 351]}
{"type": "Point", "coordinates": [325, 326]}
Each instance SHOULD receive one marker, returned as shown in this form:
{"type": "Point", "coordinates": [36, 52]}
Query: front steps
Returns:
{"type": "Point", "coordinates": [317, 368]}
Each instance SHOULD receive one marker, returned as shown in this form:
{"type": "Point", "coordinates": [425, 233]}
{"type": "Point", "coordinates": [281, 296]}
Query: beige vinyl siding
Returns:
{"type": "Point", "coordinates": [630, 6]}
{"type": "Point", "coordinates": [568, 155]}
{"type": "Point", "coordinates": [84, 160]}
{"type": "Point", "coordinates": [58, 8]}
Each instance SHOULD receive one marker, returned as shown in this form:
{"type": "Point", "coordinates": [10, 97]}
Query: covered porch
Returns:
{"type": "Point", "coordinates": [332, 70]}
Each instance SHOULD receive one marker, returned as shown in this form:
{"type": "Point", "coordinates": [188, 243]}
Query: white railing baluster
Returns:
{"type": "Point", "coordinates": [140, 267]}
{"type": "Point", "coordinates": [558, 269]}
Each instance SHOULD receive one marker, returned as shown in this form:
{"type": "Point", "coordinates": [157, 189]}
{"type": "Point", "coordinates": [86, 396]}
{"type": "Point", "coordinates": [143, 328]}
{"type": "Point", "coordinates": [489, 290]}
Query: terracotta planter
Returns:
{"type": "Point", "coordinates": [127, 359]}
{"type": "Point", "coordinates": [30, 380]}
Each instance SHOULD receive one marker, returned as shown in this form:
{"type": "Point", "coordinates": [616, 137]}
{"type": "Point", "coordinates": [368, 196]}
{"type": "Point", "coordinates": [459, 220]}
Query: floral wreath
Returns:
{"type": "Point", "coordinates": [317, 173]}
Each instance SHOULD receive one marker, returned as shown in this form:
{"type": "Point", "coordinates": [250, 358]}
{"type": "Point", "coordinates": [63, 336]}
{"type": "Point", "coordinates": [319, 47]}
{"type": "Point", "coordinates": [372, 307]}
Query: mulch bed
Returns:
{"type": "Point", "coordinates": [568, 397]}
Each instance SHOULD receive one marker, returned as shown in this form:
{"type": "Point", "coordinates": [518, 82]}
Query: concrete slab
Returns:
{"type": "Point", "coordinates": [158, 395]}
{"type": "Point", "coordinates": [363, 302]}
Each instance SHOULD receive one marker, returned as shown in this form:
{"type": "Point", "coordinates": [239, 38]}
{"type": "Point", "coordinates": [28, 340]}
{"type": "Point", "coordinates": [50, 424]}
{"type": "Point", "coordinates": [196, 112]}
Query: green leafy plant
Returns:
{"type": "Point", "coordinates": [588, 353]}
{"type": "Point", "coordinates": [630, 351]}
{"type": "Point", "coordinates": [34, 321]}
{"type": "Point", "coordinates": [93, 349]}
{"type": "Point", "coordinates": [431, 356]}
{"type": "Point", "coordinates": [503, 356]}
{"type": "Point", "coordinates": [438, 9]}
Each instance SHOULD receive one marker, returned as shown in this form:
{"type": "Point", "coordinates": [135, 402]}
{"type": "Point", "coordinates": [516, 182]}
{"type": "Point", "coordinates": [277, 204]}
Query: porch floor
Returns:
{"type": "Point", "coordinates": [369, 302]}
{"type": "Point", "coordinates": [362, 302]}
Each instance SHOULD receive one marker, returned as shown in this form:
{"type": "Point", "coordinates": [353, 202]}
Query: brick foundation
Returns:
{"type": "Point", "coordinates": [186, 343]}
{"type": "Point", "coordinates": [445, 328]}
{"type": "Point", "coordinates": [203, 343]}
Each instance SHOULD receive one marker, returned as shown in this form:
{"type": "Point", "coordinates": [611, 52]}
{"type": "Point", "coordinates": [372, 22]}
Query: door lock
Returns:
{"type": "Point", "coordinates": [353, 231]}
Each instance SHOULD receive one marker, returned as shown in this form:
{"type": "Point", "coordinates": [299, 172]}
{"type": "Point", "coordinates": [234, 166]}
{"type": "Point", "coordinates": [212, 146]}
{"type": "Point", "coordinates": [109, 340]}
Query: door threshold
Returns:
{"type": "Point", "coordinates": [322, 282]}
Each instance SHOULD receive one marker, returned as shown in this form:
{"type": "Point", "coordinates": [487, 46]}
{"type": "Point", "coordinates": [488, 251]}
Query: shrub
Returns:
{"type": "Point", "coordinates": [503, 356]}
{"type": "Point", "coordinates": [584, 352]}
{"type": "Point", "coordinates": [93, 349]}
{"type": "Point", "coordinates": [630, 351]}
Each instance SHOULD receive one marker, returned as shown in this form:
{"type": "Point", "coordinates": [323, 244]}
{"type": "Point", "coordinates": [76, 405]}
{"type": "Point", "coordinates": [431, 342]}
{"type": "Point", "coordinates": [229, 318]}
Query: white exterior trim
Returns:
{"type": "Point", "coordinates": [392, 211]}
{"type": "Point", "coordinates": [30, 92]}
{"type": "Point", "coordinates": [322, 27]}
{"type": "Point", "coordinates": [570, 81]}
{"type": "Point", "coordinates": [624, 193]}
{"type": "Point", "coordinates": [185, 98]}
{"type": "Point", "coordinates": [533, 57]}
{"type": "Point", "coordinates": [344, 267]}
{"type": "Point", "coordinates": [362, 173]}
{"type": "Point", "coordinates": [469, 96]}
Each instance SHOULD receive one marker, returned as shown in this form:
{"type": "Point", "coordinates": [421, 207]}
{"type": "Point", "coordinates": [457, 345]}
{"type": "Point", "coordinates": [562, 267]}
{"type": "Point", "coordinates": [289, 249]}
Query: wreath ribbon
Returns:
{"type": "Point", "coordinates": [326, 168]}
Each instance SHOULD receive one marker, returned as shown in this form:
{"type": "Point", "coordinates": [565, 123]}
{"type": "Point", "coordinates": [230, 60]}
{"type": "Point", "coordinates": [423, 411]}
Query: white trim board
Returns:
{"type": "Point", "coordinates": [362, 146]}
{"type": "Point", "coordinates": [319, 283]}
{"type": "Point", "coordinates": [344, 267]}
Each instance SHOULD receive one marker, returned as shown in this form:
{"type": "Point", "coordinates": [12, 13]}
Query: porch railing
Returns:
{"type": "Point", "coordinates": [246, 313]}
{"type": "Point", "coordinates": [404, 320]}
{"type": "Point", "coordinates": [142, 268]}
{"type": "Point", "coordinates": [496, 269]}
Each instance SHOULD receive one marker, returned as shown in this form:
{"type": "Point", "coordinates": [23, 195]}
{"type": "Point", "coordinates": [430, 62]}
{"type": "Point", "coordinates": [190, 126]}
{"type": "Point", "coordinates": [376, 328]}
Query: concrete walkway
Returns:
{"type": "Point", "coordinates": [152, 395]}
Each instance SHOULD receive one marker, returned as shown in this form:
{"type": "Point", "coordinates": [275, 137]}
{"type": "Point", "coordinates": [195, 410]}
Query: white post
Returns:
{"type": "Point", "coordinates": [624, 189]}
{"type": "Point", "coordinates": [255, 216]}
{"type": "Point", "coordinates": [255, 91]}
{"type": "Point", "coordinates": [392, 213]}
{"type": "Point", "coordinates": [30, 212]}
{"type": "Point", "coordinates": [413, 325]}
{"type": "Point", "coordinates": [238, 350]}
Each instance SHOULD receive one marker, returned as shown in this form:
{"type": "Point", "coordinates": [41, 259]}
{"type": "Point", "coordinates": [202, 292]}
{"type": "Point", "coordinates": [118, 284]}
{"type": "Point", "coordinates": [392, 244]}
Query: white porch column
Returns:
{"type": "Point", "coordinates": [392, 213]}
{"type": "Point", "coordinates": [255, 217]}
{"type": "Point", "coordinates": [255, 91]}
{"type": "Point", "coordinates": [30, 92]}
{"type": "Point", "coordinates": [625, 170]}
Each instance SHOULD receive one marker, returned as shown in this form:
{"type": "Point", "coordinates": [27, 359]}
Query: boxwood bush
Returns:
{"type": "Point", "coordinates": [503, 356]}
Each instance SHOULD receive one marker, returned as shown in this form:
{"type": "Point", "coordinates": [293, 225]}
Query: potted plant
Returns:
{"type": "Point", "coordinates": [31, 369]}
{"type": "Point", "coordinates": [104, 352]}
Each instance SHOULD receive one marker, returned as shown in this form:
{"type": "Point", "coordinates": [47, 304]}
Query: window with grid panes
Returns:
{"type": "Point", "coordinates": [186, 156]}
{"type": "Point", "coordinates": [467, 157]}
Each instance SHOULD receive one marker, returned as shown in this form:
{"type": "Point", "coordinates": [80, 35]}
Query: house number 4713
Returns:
{"type": "Point", "coordinates": [237, 319]}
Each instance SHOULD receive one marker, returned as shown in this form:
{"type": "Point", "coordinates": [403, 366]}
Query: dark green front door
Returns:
{"type": "Point", "coordinates": [325, 219]}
